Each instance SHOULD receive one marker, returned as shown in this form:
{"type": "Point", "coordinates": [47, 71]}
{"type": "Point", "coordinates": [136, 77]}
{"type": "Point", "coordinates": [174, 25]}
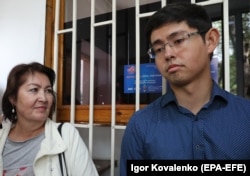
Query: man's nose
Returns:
{"type": "Point", "coordinates": [168, 51]}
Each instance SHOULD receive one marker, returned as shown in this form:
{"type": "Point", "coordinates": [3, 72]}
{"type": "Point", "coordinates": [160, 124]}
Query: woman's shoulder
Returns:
{"type": "Point", "coordinates": [65, 125]}
{"type": "Point", "coordinates": [1, 121]}
{"type": "Point", "coordinates": [1, 118]}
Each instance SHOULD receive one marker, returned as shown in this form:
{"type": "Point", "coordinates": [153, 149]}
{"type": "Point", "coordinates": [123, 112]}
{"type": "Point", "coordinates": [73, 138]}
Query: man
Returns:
{"type": "Point", "coordinates": [195, 119]}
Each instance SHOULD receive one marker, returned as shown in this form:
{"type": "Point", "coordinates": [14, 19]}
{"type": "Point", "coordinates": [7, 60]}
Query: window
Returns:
{"type": "Point", "coordinates": [126, 57]}
{"type": "Point", "coordinates": [95, 76]}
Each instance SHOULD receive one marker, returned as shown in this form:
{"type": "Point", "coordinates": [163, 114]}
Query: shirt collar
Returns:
{"type": "Point", "coordinates": [217, 93]}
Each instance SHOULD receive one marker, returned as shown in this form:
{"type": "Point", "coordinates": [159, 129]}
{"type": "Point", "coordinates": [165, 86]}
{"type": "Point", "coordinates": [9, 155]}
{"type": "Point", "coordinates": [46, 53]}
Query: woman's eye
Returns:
{"type": "Point", "coordinates": [50, 91]}
{"type": "Point", "coordinates": [34, 90]}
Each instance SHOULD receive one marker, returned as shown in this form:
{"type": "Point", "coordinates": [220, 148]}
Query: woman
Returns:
{"type": "Point", "coordinates": [29, 140]}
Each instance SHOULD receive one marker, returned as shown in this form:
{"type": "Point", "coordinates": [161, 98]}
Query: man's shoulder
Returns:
{"type": "Point", "coordinates": [156, 104]}
{"type": "Point", "coordinates": [150, 111]}
{"type": "Point", "coordinates": [238, 103]}
{"type": "Point", "coordinates": [231, 98]}
{"type": "Point", "coordinates": [237, 99]}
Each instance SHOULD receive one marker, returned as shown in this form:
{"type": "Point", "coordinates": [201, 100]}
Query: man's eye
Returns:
{"type": "Point", "coordinates": [159, 50]}
{"type": "Point", "coordinates": [178, 41]}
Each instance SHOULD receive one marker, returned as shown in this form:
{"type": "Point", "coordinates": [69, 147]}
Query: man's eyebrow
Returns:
{"type": "Point", "coordinates": [159, 42]}
{"type": "Point", "coordinates": [174, 34]}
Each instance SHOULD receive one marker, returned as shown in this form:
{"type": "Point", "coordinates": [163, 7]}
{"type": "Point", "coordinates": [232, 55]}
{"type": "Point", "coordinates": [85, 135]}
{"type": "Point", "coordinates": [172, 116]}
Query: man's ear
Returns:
{"type": "Point", "coordinates": [212, 39]}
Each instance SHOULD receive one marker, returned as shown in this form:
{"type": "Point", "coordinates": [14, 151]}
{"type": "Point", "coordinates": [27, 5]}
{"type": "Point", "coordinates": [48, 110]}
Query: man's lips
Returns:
{"type": "Point", "coordinates": [173, 68]}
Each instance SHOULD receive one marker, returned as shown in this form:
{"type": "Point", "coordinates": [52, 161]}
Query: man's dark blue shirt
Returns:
{"type": "Point", "coordinates": [164, 130]}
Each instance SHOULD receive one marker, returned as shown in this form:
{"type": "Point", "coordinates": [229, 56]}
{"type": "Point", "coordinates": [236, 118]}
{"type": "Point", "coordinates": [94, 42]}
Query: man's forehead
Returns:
{"type": "Point", "coordinates": [165, 30]}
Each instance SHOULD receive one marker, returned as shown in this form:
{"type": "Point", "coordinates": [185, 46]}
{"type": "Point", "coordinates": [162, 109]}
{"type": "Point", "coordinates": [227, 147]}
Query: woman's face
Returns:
{"type": "Point", "coordinates": [34, 98]}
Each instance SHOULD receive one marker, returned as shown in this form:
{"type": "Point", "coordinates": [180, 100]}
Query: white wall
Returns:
{"type": "Point", "coordinates": [22, 34]}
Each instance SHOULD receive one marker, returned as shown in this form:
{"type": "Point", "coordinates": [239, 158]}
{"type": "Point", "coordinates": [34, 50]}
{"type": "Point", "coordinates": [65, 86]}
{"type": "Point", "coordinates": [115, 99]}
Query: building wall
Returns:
{"type": "Point", "coordinates": [22, 34]}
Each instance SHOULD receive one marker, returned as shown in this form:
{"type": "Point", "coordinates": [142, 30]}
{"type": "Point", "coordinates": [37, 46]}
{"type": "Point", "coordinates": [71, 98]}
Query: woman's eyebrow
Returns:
{"type": "Point", "coordinates": [38, 85]}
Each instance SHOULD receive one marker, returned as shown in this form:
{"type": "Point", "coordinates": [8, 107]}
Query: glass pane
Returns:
{"type": "Point", "coordinates": [239, 27]}
{"type": "Point", "coordinates": [217, 59]}
{"type": "Point", "coordinates": [67, 63]}
{"type": "Point", "coordinates": [103, 60]}
{"type": "Point", "coordinates": [68, 13]}
{"type": "Point", "coordinates": [126, 53]}
{"type": "Point", "coordinates": [246, 51]}
{"type": "Point", "coordinates": [102, 66]}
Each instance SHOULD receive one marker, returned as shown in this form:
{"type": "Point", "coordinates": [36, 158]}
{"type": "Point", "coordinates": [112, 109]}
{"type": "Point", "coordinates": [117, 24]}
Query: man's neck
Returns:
{"type": "Point", "coordinates": [194, 96]}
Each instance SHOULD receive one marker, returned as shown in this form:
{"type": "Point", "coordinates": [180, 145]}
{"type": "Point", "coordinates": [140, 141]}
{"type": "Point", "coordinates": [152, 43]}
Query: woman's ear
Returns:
{"type": "Point", "coordinates": [212, 39]}
{"type": "Point", "coordinates": [12, 101]}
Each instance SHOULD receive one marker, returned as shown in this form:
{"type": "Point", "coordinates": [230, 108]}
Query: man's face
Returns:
{"type": "Point", "coordinates": [185, 57]}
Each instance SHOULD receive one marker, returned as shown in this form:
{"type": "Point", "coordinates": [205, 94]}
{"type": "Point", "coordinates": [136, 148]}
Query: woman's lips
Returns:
{"type": "Point", "coordinates": [41, 108]}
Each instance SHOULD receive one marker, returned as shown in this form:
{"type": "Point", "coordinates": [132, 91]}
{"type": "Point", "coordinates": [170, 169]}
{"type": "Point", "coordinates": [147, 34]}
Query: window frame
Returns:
{"type": "Point", "coordinates": [102, 113]}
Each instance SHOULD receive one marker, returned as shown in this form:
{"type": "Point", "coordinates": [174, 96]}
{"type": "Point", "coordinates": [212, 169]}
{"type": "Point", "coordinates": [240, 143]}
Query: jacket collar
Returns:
{"type": "Point", "coordinates": [53, 142]}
